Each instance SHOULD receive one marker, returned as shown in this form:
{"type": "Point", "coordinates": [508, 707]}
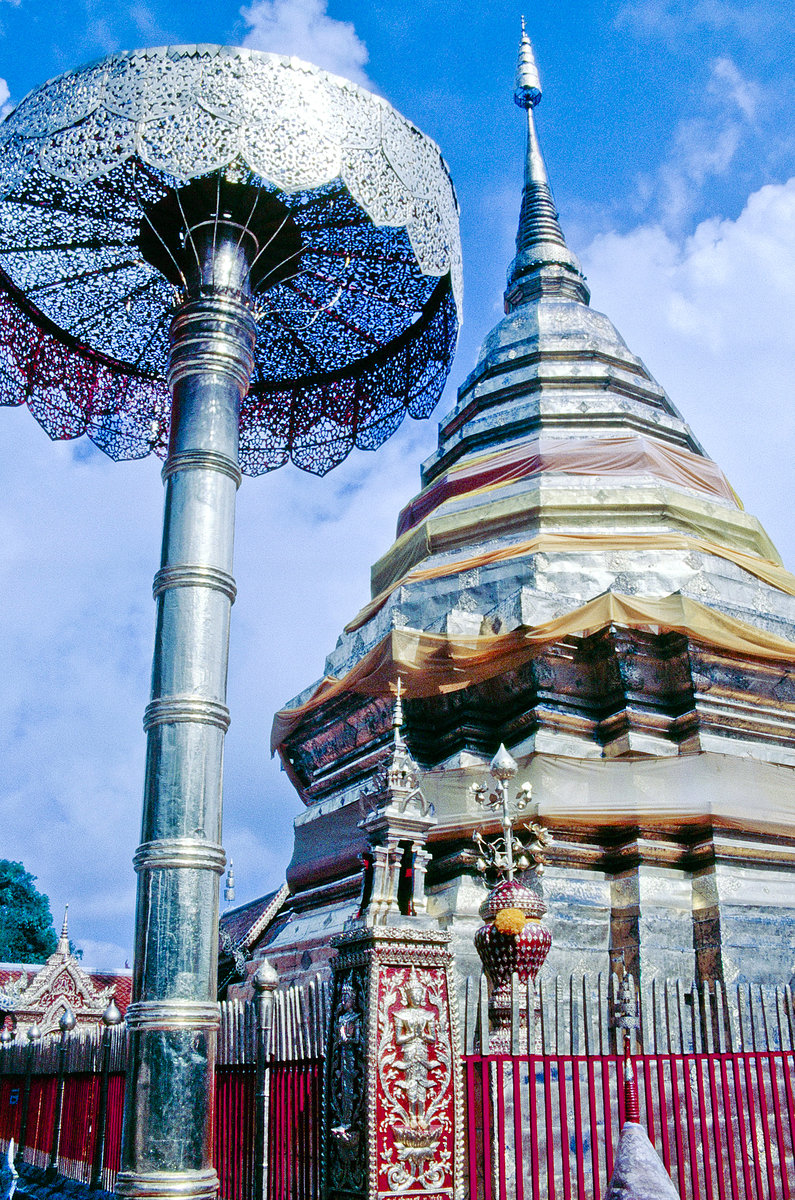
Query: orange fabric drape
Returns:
{"type": "Point", "coordinates": [431, 663]}
{"type": "Point", "coordinates": [580, 456]}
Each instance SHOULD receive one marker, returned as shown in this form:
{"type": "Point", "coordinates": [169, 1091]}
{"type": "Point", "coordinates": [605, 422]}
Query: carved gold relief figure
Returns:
{"type": "Point", "coordinates": [415, 1031]}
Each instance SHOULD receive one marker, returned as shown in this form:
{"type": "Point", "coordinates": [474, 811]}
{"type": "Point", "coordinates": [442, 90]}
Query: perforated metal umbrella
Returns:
{"type": "Point", "coordinates": [231, 259]}
{"type": "Point", "coordinates": [356, 281]}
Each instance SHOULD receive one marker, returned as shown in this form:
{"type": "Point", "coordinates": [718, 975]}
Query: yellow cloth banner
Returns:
{"type": "Point", "coordinates": [549, 543]}
{"type": "Point", "coordinates": [431, 663]}
{"type": "Point", "coordinates": [708, 790]}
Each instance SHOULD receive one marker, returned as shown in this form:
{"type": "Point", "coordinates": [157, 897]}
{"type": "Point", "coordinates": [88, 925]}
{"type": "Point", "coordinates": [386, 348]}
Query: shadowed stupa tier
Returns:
{"type": "Point", "coordinates": [578, 580]}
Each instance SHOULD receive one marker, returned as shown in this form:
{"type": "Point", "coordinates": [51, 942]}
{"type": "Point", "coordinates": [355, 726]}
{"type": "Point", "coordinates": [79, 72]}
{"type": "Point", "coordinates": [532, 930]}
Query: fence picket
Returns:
{"type": "Point", "coordinates": [695, 1018]}
{"type": "Point", "coordinates": [732, 1019]}
{"type": "Point", "coordinates": [604, 1022]}
{"type": "Point", "coordinates": [741, 1023]}
{"type": "Point", "coordinates": [707, 1013]}
{"type": "Point", "coordinates": [515, 1014]}
{"type": "Point", "coordinates": [790, 1014]}
{"type": "Point", "coordinates": [753, 1017]}
{"type": "Point", "coordinates": [558, 1025]}
{"type": "Point", "coordinates": [681, 1016]}
{"type": "Point", "coordinates": [768, 1026]}
{"type": "Point", "coordinates": [542, 1002]}
{"type": "Point", "coordinates": [483, 1014]}
{"type": "Point", "coordinates": [611, 1012]}
{"type": "Point", "coordinates": [781, 1020]}
{"type": "Point", "coordinates": [531, 1018]}
{"type": "Point", "coordinates": [586, 1016]}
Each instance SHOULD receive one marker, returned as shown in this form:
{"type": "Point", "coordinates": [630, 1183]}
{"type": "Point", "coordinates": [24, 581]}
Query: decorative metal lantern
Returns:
{"type": "Point", "coordinates": [235, 260]}
{"type": "Point", "coordinates": [512, 941]}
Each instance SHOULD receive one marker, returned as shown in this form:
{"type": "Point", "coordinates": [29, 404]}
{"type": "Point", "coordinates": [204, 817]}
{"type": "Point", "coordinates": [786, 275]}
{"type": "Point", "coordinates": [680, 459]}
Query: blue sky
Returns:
{"type": "Point", "coordinates": [668, 134]}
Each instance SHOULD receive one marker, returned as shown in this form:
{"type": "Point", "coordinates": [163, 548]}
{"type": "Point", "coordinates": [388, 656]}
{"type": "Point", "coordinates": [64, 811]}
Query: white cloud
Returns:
{"type": "Point", "coordinates": [5, 96]}
{"type": "Point", "coordinates": [712, 316]}
{"type": "Point", "coordinates": [79, 541]}
{"type": "Point", "coordinates": [703, 146]}
{"type": "Point", "coordinates": [674, 19]}
{"type": "Point", "coordinates": [727, 83]}
{"type": "Point", "coordinates": [303, 28]}
{"type": "Point", "coordinates": [148, 26]}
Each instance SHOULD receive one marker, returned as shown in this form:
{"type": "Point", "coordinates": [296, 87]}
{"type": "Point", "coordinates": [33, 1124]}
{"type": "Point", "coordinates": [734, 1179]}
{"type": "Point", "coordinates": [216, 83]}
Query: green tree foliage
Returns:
{"type": "Point", "coordinates": [27, 934]}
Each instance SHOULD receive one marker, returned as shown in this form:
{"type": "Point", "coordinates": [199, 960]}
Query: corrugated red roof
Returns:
{"type": "Point", "coordinates": [120, 981]}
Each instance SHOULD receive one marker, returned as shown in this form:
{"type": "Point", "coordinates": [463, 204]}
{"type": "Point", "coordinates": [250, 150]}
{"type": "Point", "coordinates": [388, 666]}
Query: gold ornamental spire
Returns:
{"type": "Point", "coordinates": [543, 265]}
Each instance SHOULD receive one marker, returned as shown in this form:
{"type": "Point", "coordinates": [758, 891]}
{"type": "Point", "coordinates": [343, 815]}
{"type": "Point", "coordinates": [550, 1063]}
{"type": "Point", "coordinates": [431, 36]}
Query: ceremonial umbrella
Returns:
{"type": "Point", "coordinates": [231, 259]}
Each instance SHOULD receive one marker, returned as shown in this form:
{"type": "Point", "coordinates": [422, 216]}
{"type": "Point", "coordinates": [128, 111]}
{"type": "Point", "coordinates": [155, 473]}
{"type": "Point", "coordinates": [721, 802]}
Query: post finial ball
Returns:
{"type": "Point", "coordinates": [67, 1020]}
{"type": "Point", "coordinates": [266, 977]}
{"type": "Point", "coordinates": [503, 765]}
{"type": "Point", "coordinates": [112, 1015]}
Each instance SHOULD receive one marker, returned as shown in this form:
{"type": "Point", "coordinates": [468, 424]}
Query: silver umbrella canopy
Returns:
{"type": "Point", "coordinates": [233, 259]}
{"type": "Point", "coordinates": [102, 168]}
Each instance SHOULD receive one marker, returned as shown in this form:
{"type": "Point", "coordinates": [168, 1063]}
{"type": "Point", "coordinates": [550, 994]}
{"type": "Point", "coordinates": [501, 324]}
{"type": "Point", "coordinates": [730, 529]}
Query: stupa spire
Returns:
{"type": "Point", "coordinates": [543, 265]}
{"type": "Point", "coordinates": [63, 940]}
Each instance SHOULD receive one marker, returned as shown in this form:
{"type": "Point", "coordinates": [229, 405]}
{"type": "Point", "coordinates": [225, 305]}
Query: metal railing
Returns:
{"type": "Point", "coordinates": [716, 1074]}
{"type": "Point", "coordinates": [282, 1070]}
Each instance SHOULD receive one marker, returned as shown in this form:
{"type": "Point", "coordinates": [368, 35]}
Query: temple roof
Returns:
{"type": "Point", "coordinates": [560, 430]}
{"type": "Point", "coordinates": [567, 489]}
{"type": "Point", "coordinates": [246, 922]}
{"type": "Point", "coordinates": [31, 992]}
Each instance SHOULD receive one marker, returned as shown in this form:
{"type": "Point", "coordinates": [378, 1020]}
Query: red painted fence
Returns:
{"type": "Point", "coordinates": [294, 1123]}
{"type": "Point", "coordinates": [233, 1141]}
{"type": "Point", "coordinates": [290, 1054]}
{"type": "Point", "coordinates": [294, 1131]}
{"type": "Point", "coordinates": [546, 1126]}
{"type": "Point", "coordinates": [78, 1125]}
{"type": "Point", "coordinates": [716, 1082]}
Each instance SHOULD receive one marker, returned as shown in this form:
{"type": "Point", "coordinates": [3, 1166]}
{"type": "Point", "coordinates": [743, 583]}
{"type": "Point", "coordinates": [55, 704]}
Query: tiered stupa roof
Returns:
{"type": "Point", "coordinates": [563, 474]}
{"type": "Point", "coordinates": [575, 578]}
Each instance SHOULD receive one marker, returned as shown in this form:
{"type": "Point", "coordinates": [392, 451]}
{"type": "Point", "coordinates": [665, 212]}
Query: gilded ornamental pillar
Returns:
{"type": "Point", "coordinates": [393, 1109]}
{"type": "Point", "coordinates": [393, 1113]}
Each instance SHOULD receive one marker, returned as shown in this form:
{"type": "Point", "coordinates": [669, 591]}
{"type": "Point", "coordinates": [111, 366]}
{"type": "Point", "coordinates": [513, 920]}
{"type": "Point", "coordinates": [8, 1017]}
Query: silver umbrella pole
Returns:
{"type": "Point", "coordinates": [174, 1017]}
{"type": "Point", "coordinates": [376, 253]}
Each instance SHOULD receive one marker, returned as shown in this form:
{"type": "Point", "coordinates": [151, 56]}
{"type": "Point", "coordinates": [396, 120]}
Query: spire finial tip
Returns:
{"type": "Point", "coordinates": [397, 712]}
{"type": "Point", "coordinates": [63, 940]}
{"type": "Point", "coordinates": [527, 91]}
